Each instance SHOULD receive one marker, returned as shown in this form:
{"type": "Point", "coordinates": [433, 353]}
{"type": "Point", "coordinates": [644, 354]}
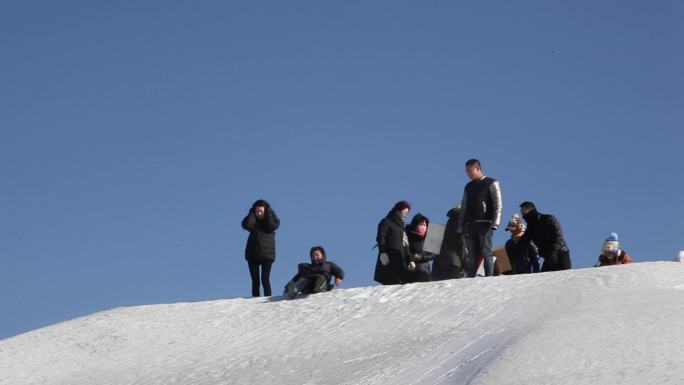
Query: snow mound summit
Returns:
{"type": "Point", "coordinates": [610, 325]}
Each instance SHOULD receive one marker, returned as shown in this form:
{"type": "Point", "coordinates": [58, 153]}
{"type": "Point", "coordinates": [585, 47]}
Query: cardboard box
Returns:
{"type": "Point", "coordinates": [502, 265]}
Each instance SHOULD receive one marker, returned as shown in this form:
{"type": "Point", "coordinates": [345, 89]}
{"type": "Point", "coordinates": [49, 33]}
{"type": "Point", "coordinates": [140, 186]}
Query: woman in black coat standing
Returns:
{"type": "Point", "coordinates": [390, 266]}
{"type": "Point", "coordinates": [261, 222]}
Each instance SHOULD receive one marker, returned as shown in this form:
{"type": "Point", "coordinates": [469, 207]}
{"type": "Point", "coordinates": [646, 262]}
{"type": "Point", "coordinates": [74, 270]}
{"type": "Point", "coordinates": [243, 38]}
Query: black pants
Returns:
{"type": "Point", "coordinates": [559, 262]}
{"type": "Point", "coordinates": [441, 273]}
{"type": "Point", "coordinates": [312, 284]}
{"type": "Point", "coordinates": [395, 269]}
{"type": "Point", "coordinates": [265, 277]}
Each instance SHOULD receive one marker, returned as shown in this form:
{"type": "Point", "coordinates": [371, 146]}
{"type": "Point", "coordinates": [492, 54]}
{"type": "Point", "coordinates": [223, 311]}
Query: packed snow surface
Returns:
{"type": "Point", "coordinates": [610, 325]}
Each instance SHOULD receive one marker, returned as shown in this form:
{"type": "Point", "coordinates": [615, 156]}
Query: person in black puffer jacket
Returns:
{"type": "Point", "coordinates": [393, 246]}
{"type": "Point", "coordinates": [418, 261]}
{"type": "Point", "coordinates": [452, 253]}
{"type": "Point", "coordinates": [545, 231]}
{"type": "Point", "coordinates": [261, 222]}
{"type": "Point", "coordinates": [314, 277]}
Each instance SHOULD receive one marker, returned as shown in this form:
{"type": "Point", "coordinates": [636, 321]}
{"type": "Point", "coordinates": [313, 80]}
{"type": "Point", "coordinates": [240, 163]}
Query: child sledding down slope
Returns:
{"type": "Point", "coordinates": [314, 277]}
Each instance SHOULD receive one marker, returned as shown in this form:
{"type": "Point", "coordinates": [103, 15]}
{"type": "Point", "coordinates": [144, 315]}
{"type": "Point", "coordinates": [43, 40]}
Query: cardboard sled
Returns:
{"type": "Point", "coordinates": [502, 265]}
{"type": "Point", "coordinates": [434, 238]}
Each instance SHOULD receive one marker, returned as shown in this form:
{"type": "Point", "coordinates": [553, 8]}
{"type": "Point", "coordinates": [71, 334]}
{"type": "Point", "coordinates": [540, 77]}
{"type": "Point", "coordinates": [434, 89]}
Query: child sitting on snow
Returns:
{"type": "Point", "coordinates": [314, 277]}
{"type": "Point", "coordinates": [522, 253]}
{"type": "Point", "coordinates": [611, 253]}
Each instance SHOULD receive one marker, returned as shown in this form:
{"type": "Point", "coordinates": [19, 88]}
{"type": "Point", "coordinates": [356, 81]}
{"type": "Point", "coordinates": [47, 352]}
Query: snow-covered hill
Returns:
{"type": "Point", "coordinates": [612, 325]}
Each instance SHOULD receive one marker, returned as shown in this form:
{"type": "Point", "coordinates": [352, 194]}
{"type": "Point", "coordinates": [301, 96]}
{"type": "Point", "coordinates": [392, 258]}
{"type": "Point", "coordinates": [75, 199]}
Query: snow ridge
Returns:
{"type": "Point", "coordinates": [603, 325]}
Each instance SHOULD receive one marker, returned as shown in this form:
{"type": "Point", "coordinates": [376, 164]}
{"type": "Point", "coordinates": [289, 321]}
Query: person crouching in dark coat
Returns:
{"type": "Point", "coordinates": [545, 231]}
{"type": "Point", "coordinates": [392, 246]}
{"type": "Point", "coordinates": [521, 252]}
{"type": "Point", "coordinates": [418, 261]}
{"type": "Point", "coordinates": [314, 277]}
{"type": "Point", "coordinates": [261, 222]}
{"type": "Point", "coordinates": [448, 263]}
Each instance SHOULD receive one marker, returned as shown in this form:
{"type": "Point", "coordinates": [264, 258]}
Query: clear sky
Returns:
{"type": "Point", "coordinates": [135, 136]}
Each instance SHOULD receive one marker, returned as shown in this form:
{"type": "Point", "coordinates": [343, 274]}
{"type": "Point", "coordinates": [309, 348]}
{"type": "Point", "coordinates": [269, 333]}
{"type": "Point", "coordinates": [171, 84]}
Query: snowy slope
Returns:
{"type": "Point", "coordinates": [611, 325]}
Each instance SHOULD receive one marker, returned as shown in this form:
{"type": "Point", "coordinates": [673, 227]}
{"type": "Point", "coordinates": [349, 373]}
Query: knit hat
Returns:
{"type": "Point", "coordinates": [515, 223]}
{"type": "Point", "coordinates": [401, 205]}
{"type": "Point", "coordinates": [528, 204]}
{"type": "Point", "coordinates": [611, 245]}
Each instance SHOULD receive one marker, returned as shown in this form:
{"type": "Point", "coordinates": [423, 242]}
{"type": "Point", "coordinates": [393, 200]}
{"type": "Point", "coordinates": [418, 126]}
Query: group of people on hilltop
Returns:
{"type": "Point", "coordinates": [468, 237]}
{"type": "Point", "coordinates": [467, 240]}
{"type": "Point", "coordinates": [401, 258]}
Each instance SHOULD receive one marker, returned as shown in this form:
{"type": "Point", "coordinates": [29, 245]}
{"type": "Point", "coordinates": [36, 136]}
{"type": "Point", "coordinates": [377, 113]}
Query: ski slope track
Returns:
{"type": "Point", "coordinates": [611, 325]}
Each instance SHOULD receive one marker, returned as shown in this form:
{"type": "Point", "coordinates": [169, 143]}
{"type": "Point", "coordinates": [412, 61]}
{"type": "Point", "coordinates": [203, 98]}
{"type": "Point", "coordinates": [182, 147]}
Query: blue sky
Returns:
{"type": "Point", "coordinates": [134, 137]}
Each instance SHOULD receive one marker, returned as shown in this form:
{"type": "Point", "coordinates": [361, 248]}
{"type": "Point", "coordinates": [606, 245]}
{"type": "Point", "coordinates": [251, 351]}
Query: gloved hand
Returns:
{"type": "Point", "coordinates": [384, 259]}
{"type": "Point", "coordinates": [411, 266]}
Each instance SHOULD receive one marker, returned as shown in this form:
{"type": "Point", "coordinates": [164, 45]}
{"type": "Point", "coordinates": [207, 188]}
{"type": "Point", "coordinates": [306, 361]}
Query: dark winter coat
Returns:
{"type": "Point", "coordinates": [261, 241]}
{"type": "Point", "coordinates": [390, 239]}
{"type": "Point", "coordinates": [452, 249]}
{"type": "Point", "coordinates": [323, 268]}
{"type": "Point", "coordinates": [545, 231]}
{"type": "Point", "coordinates": [481, 202]}
{"type": "Point", "coordinates": [421, 273]}
{"type": "Point", "coordinates": [622, 258]}
{"type": "Point", "coordinates": [523, 256]}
